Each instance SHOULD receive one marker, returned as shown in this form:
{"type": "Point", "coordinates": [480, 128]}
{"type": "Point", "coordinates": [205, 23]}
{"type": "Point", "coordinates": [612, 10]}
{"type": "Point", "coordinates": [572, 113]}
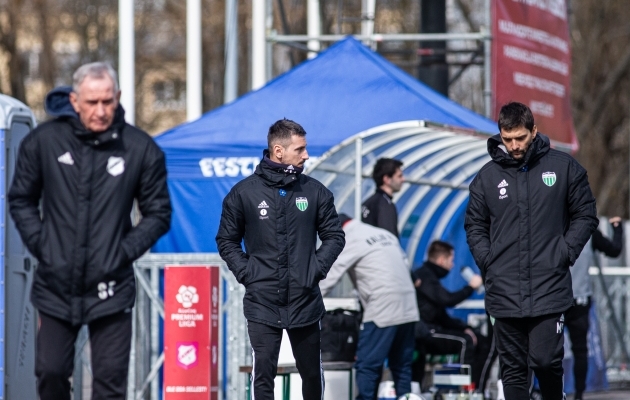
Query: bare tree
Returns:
{"type": "Point", "coordinates": [600, 97]}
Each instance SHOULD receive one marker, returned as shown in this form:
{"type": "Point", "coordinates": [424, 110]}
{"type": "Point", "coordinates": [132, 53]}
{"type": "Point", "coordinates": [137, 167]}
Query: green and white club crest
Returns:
{"type": "Point", "coordinates": [301, 203]}
{"type": "Point", "coordinates": [549, 178]}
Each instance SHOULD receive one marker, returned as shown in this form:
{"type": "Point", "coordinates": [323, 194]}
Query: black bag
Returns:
{"type": "Point", "coordinates": [340, 334]}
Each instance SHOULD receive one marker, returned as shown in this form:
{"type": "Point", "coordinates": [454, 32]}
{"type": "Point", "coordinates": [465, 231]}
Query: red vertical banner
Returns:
{"type": "Point", "coordinates": [214, 332]}
{"type": "Point", "coordinates": [191, 327]}
{"type": "Point", "coordinates": [531, 63]}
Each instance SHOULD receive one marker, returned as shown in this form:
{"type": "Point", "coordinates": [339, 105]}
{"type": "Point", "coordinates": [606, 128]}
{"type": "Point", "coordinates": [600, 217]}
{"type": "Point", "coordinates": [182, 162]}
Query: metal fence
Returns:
{"type": "Point", "coordinates": [147, 356]}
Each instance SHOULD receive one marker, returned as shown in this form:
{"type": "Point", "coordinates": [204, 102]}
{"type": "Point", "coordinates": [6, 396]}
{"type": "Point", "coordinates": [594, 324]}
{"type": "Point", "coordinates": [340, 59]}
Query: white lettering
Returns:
{"type": "Point", "coordinates": [537, 59]}
{"type": "Point", "coordinates": [542, 108]}
{"type": "Point", "coordinates": [540, 84]}
{"type": "Point", "coordinates": [228, 166]}
{"type": "Point", "coordinates": [554, 7]}
{"type": "Point", "coordinates": [533, 34]}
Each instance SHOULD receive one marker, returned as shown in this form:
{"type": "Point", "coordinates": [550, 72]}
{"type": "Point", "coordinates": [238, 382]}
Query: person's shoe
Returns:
{"type": "Point", "coordinates": [578, 396]}
{"type": "Point", "coordinates": [536, 395]}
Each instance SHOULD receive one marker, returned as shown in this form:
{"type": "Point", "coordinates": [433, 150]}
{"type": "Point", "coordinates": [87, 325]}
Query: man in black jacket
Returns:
{"type": "Point", "coordinates": [279, 212]}
{"type": "Point", "coordinates": [379, 210]}
{"type": "Point", "coordinates": [530, 213]}
{"type": "Point", "coordinates": [87, 166]}
{"type": "Point", "coordinates": [448, 335]}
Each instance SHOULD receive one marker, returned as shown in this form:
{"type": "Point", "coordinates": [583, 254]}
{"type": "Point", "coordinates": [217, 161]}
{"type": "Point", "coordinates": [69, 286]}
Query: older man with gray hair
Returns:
{"type": "Point", "coordinates": [76, 180]}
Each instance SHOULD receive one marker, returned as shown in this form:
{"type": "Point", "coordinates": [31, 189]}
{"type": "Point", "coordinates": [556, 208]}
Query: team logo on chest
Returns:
{"type": "Point", "coordinates": [549, 178]}
{"type": "Point", "coordinates": [301, 203]}
{"type": "Point", "coordinates": [115, 166]}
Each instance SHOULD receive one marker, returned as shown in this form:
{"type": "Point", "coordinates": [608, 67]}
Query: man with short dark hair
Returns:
{"type": "Point", "coordinates": [379, 210]}
{"type": "Point", "coordinates": [448, 335]}
{"type": "Point", "coordinates": [278, 212]}
{"type": "Point", "coordinates": [87, 167]}
{"type": "Point", "coordinates": [530, 213]}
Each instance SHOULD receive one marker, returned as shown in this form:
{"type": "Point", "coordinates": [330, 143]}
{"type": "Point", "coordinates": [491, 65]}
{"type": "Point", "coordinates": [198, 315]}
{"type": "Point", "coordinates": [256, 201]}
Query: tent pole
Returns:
{"type": "Point", "coordinates": [193, 60]}
{"type": "Point", "coordinates": [230, 91]}
{"type": "Point", "coordinates": [313, 27]}
{"type": "Point", "coordinates": [368, 8]}
{"type": "Point", "coordinates": [259, 61]}
{"type": "Point", "coordinates": [358, 176]}
{"type": "Point", "coordinates": [487, 62]}
{"type": "Point", "coordinates": [126, 58]}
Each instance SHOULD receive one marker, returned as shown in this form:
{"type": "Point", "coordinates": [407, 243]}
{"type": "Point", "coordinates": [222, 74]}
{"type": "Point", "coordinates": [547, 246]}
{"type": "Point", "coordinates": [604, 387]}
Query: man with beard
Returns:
{"type": "Point", "coordinates": [278, 213]}
{"type": "Point", "coordinates": [530, 213]}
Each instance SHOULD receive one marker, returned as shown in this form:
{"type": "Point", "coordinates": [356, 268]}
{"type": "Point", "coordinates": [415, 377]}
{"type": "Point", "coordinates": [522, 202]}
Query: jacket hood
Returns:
{"type": "Point", "coordinates": [437, 270]}
{"type": "Point", "coordinates": [498, 153]}
{"type": "Point", "coordinates": [276, 174]}
{"type": "Point", "coordinates": [57, 103]}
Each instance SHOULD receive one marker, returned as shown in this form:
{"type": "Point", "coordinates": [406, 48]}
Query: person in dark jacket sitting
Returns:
{"type": "Point", "coordinates": [87, 166]}
{"type": "Point", "coordinates": [530, 213]}
{"type": "Point", "coordinates": [279, 212]}
{"type": "Point", "coordinates": [448, 335]}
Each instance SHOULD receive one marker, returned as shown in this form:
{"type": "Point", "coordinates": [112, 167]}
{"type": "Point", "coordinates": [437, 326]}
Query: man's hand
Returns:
{"type": "Point", "coordinates": [475, 282]}
{"type": "Point", "coordinates": [470, 333]}
{"type": "Point", "coordinates": [417, 282]}
{"type": "Point", "coordinates": [615, 221]}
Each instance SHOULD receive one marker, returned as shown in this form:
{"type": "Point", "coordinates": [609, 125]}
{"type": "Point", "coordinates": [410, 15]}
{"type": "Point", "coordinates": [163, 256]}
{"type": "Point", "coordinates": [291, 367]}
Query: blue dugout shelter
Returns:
{"type": "Point", "coordinates": [345, 90]}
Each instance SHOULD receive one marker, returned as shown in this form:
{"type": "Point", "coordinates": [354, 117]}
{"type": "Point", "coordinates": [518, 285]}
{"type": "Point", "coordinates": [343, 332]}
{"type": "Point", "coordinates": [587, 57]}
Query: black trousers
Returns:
{"type": "Point", "coordinates": [110, 342]}
{"type": "Point", "coordinates": [537, 343]}
{"type": "Point", "coordinates": [305, 344]}
{"type": "Point", "coordinates": [577, 322]}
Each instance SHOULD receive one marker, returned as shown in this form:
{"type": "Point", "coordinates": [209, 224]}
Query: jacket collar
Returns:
{"type": "Point", "coordinates": [384, 193]}
{"type": "Point", "coordinates": [436, 269]}
{"type": "Point", "coordinates": [276, 174]}
{"type": "Point", "coordinates": [539, 147]}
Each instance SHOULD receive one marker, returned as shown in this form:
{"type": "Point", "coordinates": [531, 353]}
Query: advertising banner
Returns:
{"type": "Point", "coordinates": [531, 63]}
{"type": "Point", "coordinates": [191, 329]}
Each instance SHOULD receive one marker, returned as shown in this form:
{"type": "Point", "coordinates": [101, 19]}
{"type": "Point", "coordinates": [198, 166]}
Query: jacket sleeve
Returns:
{"type": "Point", "coordinates": [330, 232]}
{"type": "Point", "coordinates": [442, 297]}
{"type": "Point", "coordinates": [610, 248]}
{"type": "Point", "coordinates": [230, 235]}
{"type": "Point", "coordinates": [348, 258]}
{"type": "Point", "coordinates": [154, 204]}
{"type": "Point", "coordinates": [25, 193]}
{"type": "Point", "coordinates": [582, 212]}
{"type": "Point", "coordinates": [477, 224]}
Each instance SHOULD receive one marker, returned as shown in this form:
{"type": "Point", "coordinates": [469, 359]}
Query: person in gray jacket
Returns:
{"type": "Point", "coordinates": [379, 270]}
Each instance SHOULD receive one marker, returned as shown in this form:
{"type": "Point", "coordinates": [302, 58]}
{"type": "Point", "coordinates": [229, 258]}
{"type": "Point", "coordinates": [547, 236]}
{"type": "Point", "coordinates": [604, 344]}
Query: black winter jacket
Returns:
{"type": "Point", "coordinates": [279, 212]}
{"type": "Point", "coordinates": [380, 211]}
{"type": "Point", "coordinates": [84, 239]}
{"type": "Point", "coordinates": [433, 298]}
{"type": "Point", "coordinates": [526, 223]}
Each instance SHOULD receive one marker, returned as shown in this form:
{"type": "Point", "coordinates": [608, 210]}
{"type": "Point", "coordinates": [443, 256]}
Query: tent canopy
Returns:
{"type": "Point", "coordinates": [346, 89]}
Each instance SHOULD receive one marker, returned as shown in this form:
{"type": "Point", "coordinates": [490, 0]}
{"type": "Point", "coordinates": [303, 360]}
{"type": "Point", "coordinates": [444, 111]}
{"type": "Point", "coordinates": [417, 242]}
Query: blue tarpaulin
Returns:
{"type": "Point", "coordinates": [345, 90]}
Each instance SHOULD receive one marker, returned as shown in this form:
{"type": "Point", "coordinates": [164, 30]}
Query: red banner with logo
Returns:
{"type": "Point", "coordinates": [191, 329]}
{"type": "Point", "coordinates": [531, 63]}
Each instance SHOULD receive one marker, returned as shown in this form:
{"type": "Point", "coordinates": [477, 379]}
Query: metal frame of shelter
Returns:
{"type": "Point", "coordinates": [439, 163]}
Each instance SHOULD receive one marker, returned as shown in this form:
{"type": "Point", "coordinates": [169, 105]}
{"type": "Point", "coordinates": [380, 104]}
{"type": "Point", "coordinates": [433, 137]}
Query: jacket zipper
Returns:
{"type": "Point", "coordinates": [529, 243]}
